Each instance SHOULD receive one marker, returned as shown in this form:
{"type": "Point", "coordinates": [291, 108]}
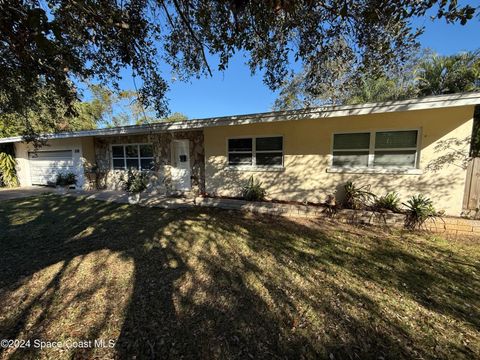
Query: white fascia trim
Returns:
{"type": "Point", "coordinates": [431, 102]}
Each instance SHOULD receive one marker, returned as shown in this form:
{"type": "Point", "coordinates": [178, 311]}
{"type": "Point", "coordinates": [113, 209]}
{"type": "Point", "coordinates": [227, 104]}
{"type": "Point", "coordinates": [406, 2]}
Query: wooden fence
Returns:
{"type": "Point", "coordinates": [471, 198]}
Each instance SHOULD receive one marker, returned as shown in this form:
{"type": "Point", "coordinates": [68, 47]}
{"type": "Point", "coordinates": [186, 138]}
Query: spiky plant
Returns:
{"type": "Point", "coordinates": [8, 173]}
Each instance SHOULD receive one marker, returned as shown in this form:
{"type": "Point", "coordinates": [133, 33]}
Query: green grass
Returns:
{"type": "Point", "coordinates": [222, 285]}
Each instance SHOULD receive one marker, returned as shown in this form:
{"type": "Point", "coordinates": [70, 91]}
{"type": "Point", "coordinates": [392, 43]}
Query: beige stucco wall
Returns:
{"type": "Point", "coordinates": [85, 155]}
{"type": "Point", "coordinates": [307, 156]}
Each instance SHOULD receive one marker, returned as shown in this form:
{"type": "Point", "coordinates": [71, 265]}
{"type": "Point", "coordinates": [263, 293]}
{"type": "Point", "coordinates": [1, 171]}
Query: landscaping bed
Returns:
{"type": "Point", "coordinates": [451, 226]}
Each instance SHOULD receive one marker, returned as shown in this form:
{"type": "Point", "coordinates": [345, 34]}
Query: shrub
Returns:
{"type": "Point", "coordinates": [356, 197]}
{"type": "Point", "coordinates": [8, 174]}
{"type": "Point", "coordinates": [67, 179]}
{"type": "Point", "coordinates": [419, 209]}
{"type": "Point", "coordinates": [253, 191]}
{"type": "Point", "coordinates": [135, 182]}
{"type": "Point", "coordinates": [390, 201]}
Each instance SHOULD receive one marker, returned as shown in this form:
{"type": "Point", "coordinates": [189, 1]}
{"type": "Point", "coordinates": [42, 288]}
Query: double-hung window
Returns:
{"type": "Point", "coordinates": [397, 149]}
{"type": "Point", "coordinates": [133, 156]}
{"type": "Point", "coordinates": [351, 150]}
{"type": "Point", "coordinates": [379, 149]}
{"type": "Point", "coordinates": [256, 151]}
{"type": "Point", "coordinates": [240, 152]}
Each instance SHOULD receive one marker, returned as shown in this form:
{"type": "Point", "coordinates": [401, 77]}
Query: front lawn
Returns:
{"type": "Point", "coordinates": [221, 285]}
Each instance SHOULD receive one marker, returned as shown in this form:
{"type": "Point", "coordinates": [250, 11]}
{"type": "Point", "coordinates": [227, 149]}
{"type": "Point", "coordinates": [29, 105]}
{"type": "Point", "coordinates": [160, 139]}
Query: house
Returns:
{"type": "Point", "coordinates": [413, 146]}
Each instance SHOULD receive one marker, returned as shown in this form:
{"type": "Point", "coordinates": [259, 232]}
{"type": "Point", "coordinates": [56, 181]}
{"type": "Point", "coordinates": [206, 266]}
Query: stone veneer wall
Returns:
{"type": "Point", "coordinates": [160, 180]}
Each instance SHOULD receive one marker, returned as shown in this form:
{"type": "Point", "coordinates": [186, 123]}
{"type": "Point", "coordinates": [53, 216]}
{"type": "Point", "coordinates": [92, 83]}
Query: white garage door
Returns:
{"type": "Point", "coordinates": [46, 165]}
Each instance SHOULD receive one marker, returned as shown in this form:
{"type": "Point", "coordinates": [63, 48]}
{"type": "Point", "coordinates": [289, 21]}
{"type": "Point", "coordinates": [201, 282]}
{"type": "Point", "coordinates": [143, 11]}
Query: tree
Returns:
{"type": "Point", "coordinates": [176, 116]}
{"type": "Point", "coordinates": [449, 74]}
{"type": "Point", "coordinates": [50, 115]}
{"type": "Point", "coordinates": [120, 108]}
{"type": "Point", "coordinates": [424, 75]}
{"type": "Point", "coordinates": [58, 42]}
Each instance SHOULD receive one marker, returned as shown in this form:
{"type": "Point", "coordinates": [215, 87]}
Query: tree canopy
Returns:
{"type": "Point", "coordinates": [57, 43]}
{"type": "Point", "coordinates": [424, 75]}
{"type": "Point", "coordinates": [105, 108]}
{"type": "Point", "coordinates": [50, 115]}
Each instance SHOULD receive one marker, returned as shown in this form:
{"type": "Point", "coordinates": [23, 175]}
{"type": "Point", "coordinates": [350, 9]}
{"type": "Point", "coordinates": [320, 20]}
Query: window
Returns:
{"type": "Point", "coordinates": [269, 151]}
{"type": "Point", "coordinates": [240, 152]}
{"type": "Point", "coordinates": [260, 151]}
{"type": "Point", "coordinates": [381, 149]}
{"type": "Point", "coordinates": [132, 156]}
{"type": "Point", "coordinates": [395, 149]}
{"type": "Point", "coordinates": [351, 150]}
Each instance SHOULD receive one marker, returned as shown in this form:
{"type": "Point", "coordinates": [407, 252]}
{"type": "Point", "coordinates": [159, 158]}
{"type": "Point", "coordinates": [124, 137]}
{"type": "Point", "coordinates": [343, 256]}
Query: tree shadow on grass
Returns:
{"type": "Point", "coordinates": [218, 284]}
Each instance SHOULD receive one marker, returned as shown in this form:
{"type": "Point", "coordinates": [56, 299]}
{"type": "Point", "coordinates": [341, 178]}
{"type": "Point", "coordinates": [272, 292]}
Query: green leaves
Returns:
{"type": "Point", "coordinates": [67, 179]}
{"type": "Point", "coordinates": [57, 43]}
{"type": "Point", "coordinates": [357, 197]}
{"type": "Point", "coordinates": [135, 183]}
{"type": "Point", "coordinates": [419, 209]}
{"type": "Point", "coordinates": [449, 74]}
{"type": "Point", "coordinates": [390, 202]}
{"type": "Point", "coordinates": [253, 190]}
{"type": "Point", "coordinates": [428, 74]}
{"type": "Point", "coordinates": [8, 174]}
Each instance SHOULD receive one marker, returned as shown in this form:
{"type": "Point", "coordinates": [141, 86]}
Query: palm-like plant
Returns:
{"type": "Point", "coordinates": [449, 74]}
{"type": "Point", "coordinates": [419, 209]}
{"type": "Point", "coordinates": [8, 174]}
{"type": "Point", "coordinates": [357, 197]}
{"type": "Point", "coordinates": [380, 89]}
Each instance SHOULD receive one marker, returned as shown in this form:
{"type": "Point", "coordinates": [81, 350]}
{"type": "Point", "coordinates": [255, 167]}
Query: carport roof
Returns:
{"type": "Point", "coordinates": [431, 102]}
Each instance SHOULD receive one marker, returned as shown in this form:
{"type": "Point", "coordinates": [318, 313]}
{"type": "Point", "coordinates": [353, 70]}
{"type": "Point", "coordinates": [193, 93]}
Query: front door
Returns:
{"type": "Point", "coordinates": [181, 165]}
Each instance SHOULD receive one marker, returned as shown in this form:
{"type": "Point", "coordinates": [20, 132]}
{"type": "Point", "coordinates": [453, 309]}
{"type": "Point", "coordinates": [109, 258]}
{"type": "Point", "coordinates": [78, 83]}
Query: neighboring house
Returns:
{"type": "Point", "coordinates": [413, 146]}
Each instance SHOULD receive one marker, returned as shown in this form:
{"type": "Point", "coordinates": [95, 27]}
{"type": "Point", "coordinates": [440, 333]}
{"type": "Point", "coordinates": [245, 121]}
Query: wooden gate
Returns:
{"type": "Point", "coordinates": [471, 198]}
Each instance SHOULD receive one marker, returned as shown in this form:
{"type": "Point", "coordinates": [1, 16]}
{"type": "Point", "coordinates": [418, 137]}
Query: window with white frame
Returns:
{"type": "Point", "coordinates": [256, 151]}
{"type": "Point", "coordinates": [380, 149]}
{"type": "Point", "coordinates": [133, 156]}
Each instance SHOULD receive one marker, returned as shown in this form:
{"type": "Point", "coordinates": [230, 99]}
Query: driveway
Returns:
{"type": "Point", "coordinates": [7, 194]}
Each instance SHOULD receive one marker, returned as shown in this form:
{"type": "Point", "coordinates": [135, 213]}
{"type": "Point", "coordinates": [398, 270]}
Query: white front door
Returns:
{"type": "Point", "coordinates": [181, 165]}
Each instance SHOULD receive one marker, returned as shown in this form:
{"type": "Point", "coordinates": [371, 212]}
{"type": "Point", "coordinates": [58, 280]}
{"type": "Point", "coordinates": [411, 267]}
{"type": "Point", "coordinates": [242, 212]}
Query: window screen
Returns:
{"type": "Point", "coordinates": [390, 149]}
{"type": "Point", "coordinates": [240, 151]}
{"type": "Point", "coordinates": [397, 149]}
{"type": "Point", "coordinates": [260, 151]}
{"type": "Point", "coordinates": [269, 151]}
{"type": "Point", "coordinates": [351, 150]}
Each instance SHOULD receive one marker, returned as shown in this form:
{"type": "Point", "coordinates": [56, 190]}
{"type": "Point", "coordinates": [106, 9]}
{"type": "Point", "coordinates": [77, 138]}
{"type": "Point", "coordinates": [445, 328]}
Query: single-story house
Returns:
{"type": "Point", "coordinates": [410, 147]}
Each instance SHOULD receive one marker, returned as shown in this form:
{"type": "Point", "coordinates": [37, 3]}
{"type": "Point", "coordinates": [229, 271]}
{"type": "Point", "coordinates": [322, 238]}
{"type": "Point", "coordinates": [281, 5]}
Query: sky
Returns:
{"type": "Point", "coordinates": [235, 91]}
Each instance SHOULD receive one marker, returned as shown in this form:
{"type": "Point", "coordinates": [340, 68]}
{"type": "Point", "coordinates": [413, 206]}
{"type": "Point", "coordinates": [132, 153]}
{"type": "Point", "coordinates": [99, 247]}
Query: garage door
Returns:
{"type": "Point", "coordinates": [46, 165]}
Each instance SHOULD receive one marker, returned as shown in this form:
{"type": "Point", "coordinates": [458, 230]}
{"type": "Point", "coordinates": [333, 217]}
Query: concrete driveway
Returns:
{"type": "Point", "coordinates": [7, 194]}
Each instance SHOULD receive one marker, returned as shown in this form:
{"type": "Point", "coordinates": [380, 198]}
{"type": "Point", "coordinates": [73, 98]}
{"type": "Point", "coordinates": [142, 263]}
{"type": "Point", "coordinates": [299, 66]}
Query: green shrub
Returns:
{"type": "Point", "coordinates": [390, 201]}
{"type": "Point", "coordinates": [67, 179]}
{"type": "Point", "coordinates": [135, 182]}
{"type": "Point", "coordinates": [419, 209]}
{"type": "Point", "coordinates": [253, 191]}
{"type": "Point", "coordinates": [8, 174]}
{"type": "Point", "coordinates": [356, 197]}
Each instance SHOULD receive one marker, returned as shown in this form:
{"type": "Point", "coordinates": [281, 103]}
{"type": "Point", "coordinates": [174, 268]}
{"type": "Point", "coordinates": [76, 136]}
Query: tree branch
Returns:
{"type": "Point", "coordinates": [192, 33]}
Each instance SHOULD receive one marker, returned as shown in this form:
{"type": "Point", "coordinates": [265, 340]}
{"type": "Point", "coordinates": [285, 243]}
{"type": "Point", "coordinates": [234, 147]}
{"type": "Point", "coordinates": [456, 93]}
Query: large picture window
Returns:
{"type": "Point", "coordinates": [381, 149]}
{"type": "Point", "coordinates": [256, 152]}
{"type": "Point", "coordinates": [133, 156]}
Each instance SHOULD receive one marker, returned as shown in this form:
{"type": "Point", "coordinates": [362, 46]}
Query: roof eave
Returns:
{"type": "Point", "coordinates": [432, 102]}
